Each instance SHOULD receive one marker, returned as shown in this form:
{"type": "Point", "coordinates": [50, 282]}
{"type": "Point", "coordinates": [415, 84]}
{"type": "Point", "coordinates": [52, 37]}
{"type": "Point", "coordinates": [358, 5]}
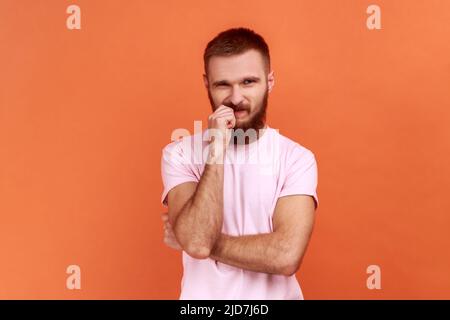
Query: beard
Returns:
{"type": "Point", "coordinates": [256, 121]}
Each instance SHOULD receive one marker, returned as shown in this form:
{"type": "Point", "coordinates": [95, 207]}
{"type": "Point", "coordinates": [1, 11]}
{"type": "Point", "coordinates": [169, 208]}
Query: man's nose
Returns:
{"type": "Point", "coordinates": [236, 97]}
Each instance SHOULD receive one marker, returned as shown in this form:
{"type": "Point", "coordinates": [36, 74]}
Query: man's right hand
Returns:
{"type": "Point", "coordinates": [220, 122]}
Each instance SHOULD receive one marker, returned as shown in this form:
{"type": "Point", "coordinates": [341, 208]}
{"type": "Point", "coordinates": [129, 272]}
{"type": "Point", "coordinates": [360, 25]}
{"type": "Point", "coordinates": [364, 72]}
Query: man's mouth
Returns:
{"type": "Point", "coordinates": [240, 113]}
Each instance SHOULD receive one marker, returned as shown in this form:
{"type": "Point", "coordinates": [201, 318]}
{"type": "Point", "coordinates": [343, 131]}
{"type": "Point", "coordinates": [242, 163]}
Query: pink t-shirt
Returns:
{"type": "Point", "coordinates": [255, 176]}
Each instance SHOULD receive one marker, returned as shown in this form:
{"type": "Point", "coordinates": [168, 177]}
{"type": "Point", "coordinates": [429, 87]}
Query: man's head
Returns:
{"type": "Point", "coordinates": [237, 66]}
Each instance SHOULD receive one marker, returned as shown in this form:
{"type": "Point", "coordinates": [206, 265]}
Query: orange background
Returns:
{"type": "Point", "coordinates": [85, 114]}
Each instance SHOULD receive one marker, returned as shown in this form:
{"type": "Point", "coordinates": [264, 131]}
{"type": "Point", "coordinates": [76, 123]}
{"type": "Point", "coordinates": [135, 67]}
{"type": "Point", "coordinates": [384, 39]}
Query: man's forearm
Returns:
{"type": "Point", "coordinates": [266, 252]}
{"type": "Point", "coordinates": [199, 223]}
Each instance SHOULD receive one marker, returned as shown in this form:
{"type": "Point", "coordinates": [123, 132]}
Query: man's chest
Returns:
{"type": "Point", "coordinates": [250, 193]}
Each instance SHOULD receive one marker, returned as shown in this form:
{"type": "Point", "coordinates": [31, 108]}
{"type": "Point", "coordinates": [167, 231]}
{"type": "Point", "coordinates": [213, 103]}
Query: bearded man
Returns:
{"type": "Point", "coordinates": [244, 214]}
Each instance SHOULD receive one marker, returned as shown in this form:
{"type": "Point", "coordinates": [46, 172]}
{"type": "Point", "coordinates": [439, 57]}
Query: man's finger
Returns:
{"type": "Point", "coordinates": [222, 111]}
{"type": "Point", "coordinates": [222, 107]}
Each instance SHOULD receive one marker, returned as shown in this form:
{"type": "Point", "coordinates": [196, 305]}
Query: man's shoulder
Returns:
{"type": "Point", "coordinates": [187, 149]}
{"type": "Point", "coordinates": [185, 142]}
{"type": "Point", "coordinates": [293, 148]}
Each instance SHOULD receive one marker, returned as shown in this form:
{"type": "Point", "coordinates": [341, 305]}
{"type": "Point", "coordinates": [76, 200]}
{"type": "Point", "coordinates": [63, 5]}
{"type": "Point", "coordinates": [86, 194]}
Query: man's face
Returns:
{"type": "Point", "coordinates": [241, 83]}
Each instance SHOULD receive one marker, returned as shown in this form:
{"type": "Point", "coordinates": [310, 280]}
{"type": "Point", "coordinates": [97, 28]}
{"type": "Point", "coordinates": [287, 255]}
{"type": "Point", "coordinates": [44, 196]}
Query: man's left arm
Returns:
{"type": "Point", "coordinates": [278, 252]}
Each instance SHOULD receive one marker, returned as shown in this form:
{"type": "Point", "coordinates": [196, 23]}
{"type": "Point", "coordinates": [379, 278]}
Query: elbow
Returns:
{"type": "Point", "coordinates": [197, 251]}
{"type": "Point", "coordinates": [289, 270]}
{"type": "Point", "coordinates": [194, 248]}
{"type": "Point", "coordinates": [289, 266]}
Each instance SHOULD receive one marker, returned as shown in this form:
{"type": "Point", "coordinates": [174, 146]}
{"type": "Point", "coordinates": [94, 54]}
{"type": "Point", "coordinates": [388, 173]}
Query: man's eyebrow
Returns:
{"type": "Point", "coordinates": [220, 82]}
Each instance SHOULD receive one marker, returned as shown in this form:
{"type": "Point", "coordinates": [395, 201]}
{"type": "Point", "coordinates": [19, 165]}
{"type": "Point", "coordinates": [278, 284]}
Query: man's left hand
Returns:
{"type": "Point", "coordinates": [169, 236]}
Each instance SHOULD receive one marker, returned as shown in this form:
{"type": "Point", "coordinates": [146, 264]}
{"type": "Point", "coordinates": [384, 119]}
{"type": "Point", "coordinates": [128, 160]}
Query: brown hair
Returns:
{"type": "Point", "coordinates": [236, 41]}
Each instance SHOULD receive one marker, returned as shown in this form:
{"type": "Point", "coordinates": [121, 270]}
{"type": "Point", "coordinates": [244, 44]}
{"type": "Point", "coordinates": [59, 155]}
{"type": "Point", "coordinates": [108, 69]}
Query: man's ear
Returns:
{"type": "Point", "coordinates": [205, 81]}
{"type": "Point", "coordinates": [270, 81]}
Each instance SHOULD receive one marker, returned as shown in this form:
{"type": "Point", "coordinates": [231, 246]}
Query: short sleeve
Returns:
{"type": "Point", "coordinates": [175, 168]}
{"type": "Point", "coordinates": [301, 174]}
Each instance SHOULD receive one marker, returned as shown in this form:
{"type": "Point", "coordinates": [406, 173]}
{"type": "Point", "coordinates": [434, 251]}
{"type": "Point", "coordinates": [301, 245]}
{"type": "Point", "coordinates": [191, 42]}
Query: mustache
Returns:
{"type": "Point", "coordinates": [236, 108]}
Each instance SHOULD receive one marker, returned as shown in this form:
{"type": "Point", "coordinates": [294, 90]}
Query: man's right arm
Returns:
{"type": "Point", "coordinates": [196, 210]}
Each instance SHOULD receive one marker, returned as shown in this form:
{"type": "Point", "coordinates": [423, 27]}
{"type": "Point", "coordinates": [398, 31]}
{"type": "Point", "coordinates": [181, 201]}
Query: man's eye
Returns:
{"type": "Point", "coordinates": [248, 81]}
